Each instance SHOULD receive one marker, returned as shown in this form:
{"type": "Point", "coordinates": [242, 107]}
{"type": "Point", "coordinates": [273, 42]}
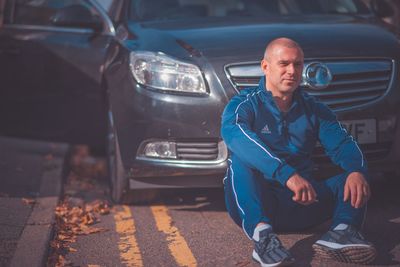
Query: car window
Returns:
{"type": "Point", "coordinates": [39, 12]}
{"type": "Point", "coordinates": [145, 10]}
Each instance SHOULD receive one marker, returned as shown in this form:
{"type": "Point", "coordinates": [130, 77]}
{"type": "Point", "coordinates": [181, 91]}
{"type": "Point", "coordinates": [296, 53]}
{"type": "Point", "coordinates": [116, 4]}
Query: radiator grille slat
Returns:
{"type": "Point", "coordinates": [385, 79]}
{"type": "Point", "coordinates": [197, 150]}
{"type": "Point", "coordinates": [353, 90]}
{"type": "Point", "coordinates": [196, 156]}
{"type": "Point", "coordinates": [354, 83]}
{"type": "Point", "coordinates": [349, 100]}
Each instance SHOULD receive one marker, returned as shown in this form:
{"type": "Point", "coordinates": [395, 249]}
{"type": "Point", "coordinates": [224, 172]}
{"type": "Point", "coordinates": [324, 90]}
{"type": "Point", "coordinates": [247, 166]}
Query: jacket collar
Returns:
{"type": "Point", "coordinates": [268, 99]}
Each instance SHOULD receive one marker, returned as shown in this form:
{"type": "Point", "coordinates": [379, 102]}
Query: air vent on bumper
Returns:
{"type": "Point", "coordinates": [207, 152]}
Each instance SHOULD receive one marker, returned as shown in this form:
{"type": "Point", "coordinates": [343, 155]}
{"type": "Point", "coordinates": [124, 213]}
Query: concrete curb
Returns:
{"type": "Point", "coordinates": [33, 244]}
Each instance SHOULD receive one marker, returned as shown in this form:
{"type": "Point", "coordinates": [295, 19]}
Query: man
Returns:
{"type": "Point", "coordinates": [271, 132]}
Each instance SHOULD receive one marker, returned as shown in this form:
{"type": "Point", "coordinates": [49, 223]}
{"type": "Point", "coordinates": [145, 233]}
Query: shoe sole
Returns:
{"type": "Point", "coordinates": [286, 262]}
{"type": "Point", "coordinates": [356, 254]}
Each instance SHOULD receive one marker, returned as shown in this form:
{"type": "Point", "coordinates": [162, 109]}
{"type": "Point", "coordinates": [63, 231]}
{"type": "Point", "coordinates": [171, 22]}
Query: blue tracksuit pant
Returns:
{"type": "Point", "coordinates": [250, 199]}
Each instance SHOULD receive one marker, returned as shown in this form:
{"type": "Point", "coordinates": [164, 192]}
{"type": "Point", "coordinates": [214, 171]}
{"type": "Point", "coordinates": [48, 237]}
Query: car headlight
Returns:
{"type": "Point", "coordinates": [159, 71]}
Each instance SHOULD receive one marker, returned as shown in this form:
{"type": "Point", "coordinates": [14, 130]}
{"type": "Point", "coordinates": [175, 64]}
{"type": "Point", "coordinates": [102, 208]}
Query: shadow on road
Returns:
{"type": "Point", "coordinates": [382, 226]}
{"type": "Point", "coordinates": [196, 200]}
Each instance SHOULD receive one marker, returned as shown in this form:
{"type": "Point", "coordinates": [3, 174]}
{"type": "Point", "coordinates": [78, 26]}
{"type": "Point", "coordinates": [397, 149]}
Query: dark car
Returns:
{"type": "Point", "coordinates": [152, 77]}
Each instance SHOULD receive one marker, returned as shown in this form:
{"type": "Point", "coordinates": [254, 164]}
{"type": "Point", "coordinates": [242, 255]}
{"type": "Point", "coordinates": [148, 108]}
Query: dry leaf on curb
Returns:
{"type": "Point", "coordinates": [74, 221]}
{"type": "Point", "coordinates": [101, 207]}
{"type": "Point", "coordinates": [62, 262]}
{"type": "Point", "coordinates": [104, 211]}
{"type": "Point", "coordinates": [63, 237]}
{"type": "Point", "coordinates": [93, 230]}
{"type": "Point", "coordinates": [28, 201]}
{"type": "Point", "coordinates": [74, 217]}
{"type": "Point", "coordinates": [89, 219]}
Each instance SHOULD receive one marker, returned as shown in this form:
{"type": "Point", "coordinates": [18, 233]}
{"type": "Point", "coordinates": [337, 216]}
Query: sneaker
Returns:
{"type": "Point", "coordinates": [269, 251]}
{"type": "Point", "coordinates": [345, 244]}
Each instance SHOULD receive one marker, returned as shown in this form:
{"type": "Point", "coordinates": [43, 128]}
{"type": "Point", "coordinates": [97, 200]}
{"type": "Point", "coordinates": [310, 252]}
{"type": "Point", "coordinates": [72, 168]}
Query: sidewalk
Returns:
{"type": "Point", "coordinates": [30, 186]}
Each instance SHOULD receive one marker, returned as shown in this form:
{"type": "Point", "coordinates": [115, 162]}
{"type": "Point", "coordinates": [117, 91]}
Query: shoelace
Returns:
{"type": "Point", "coordinates": [269, 242]}
{"type": "Point", "coordinates": [354, 233]}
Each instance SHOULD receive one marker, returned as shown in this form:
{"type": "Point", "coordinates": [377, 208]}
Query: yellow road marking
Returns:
{"type": "Point", "coordinates": [128, 246]}
{"type": "Point", "coordinates": [176, 243]}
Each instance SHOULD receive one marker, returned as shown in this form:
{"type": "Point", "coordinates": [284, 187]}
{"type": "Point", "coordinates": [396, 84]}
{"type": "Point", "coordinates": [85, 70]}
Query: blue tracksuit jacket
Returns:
{"type": "Point", "coordinates": [280, 144]}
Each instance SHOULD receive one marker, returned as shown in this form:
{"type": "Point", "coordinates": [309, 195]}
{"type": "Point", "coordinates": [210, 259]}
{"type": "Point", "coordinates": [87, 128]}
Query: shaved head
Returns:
{"type": "Point", "coordinates": [278, 43]}
{"type": "Point", "coordinates": [283, 66]}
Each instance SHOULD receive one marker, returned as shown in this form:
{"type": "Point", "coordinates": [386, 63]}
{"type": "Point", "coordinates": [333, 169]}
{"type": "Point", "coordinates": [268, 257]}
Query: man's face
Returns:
{"type": "Point", "coordinates": [283, 69]}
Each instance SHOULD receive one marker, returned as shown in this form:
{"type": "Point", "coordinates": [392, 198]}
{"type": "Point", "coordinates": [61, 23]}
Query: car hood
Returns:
{"type": "Point", "coordinates": [245, 40]}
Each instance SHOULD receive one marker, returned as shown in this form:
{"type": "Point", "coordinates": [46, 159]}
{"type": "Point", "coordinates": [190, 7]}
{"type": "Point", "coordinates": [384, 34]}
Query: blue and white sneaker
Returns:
{"type": "Point", "coordinates": [269, 251]}
{"type": "Point", "coordinates": [344, 243]}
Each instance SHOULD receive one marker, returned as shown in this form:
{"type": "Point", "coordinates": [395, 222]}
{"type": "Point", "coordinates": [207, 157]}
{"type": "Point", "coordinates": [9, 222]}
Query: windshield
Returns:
{"type": "Point", "coordinates": [150, 10]}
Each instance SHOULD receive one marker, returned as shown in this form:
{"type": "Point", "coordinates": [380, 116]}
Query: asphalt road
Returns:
{"type": "Point", "coordinates": [192, 228]}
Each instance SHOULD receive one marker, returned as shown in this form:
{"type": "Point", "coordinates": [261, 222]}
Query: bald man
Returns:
{"type": "Point", "coordinates": [271, 132]}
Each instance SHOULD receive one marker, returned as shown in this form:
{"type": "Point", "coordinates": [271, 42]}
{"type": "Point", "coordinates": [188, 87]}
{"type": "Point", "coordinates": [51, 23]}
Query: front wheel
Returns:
{"type": "Point", "coordinates": [118, 179]}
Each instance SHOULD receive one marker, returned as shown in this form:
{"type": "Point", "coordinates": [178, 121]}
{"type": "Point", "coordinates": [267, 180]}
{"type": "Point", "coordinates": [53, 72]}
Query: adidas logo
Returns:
{"type": "Point", "coordinates": [266, 129]}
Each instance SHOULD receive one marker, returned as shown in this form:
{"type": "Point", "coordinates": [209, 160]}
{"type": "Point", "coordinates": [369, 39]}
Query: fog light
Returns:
{"type": "Point", "coordinates": [160, 149]}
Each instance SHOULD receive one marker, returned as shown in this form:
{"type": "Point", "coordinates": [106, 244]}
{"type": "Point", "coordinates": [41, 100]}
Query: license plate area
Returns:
{"type": "Point", "coordinates": [364, 131]}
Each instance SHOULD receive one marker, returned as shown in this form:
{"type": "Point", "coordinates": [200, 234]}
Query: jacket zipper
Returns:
{"type": "Point", "coordinates": [285, 128]}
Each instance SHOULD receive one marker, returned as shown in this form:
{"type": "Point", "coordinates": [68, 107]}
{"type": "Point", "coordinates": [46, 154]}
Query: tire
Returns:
{"type": "Point", "coordinates": [120, 192]}
{"type": "Point", "coordinates": [118, 179]}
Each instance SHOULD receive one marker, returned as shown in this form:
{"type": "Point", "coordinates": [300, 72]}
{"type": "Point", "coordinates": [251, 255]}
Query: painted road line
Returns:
{"type": "Point", "coordinates": [128, 247]}
{"type": "Point", "coordinates": [176, 243]}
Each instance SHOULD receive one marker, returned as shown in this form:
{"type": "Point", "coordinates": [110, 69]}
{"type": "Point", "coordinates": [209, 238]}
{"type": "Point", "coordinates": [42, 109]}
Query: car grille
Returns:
{"type": "Point", "coordinates": [354, 83]}
{"type": "Point", "coordinates": [197, 150]}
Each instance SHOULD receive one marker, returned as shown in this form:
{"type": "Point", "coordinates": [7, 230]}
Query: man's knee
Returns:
{"type": "Point", "coordinates": [242, 177]}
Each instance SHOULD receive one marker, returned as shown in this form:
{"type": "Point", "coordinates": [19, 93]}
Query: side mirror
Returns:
{"type": "Point", "coordinates": [381, 8]}
{"type": "Point", "coordinates": [77, 16]}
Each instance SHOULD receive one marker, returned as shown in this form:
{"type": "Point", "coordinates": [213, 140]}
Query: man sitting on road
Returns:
{"type": "Point", "coordinates": [271, 132]}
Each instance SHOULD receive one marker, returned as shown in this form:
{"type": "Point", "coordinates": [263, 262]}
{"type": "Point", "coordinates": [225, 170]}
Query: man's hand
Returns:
{"type": "Point", "coordinates": [356, 189]}
{"type": "Point", "coordinates": [303, 191]}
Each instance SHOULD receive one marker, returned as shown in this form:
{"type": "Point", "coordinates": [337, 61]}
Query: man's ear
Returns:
{"type": "Point", "coordinates": [264, 65]}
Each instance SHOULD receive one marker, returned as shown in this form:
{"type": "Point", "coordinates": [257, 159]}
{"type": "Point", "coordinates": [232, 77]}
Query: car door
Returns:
{"type": "Point", "coordinates": [52, 56]}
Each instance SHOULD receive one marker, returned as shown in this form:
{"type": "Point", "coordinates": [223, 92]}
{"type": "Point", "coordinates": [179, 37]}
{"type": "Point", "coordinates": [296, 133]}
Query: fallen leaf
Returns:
{"type": "Point", "coordinates": [63, 237]}
{"type": "Point", "coordinates": [93, 230]}
{"type": "Point", "coordinates": [28, 201]}
{"type": "Point", "coordinates": [89, 219]}
{"type": "Point", "coordinates": [74, 217]}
